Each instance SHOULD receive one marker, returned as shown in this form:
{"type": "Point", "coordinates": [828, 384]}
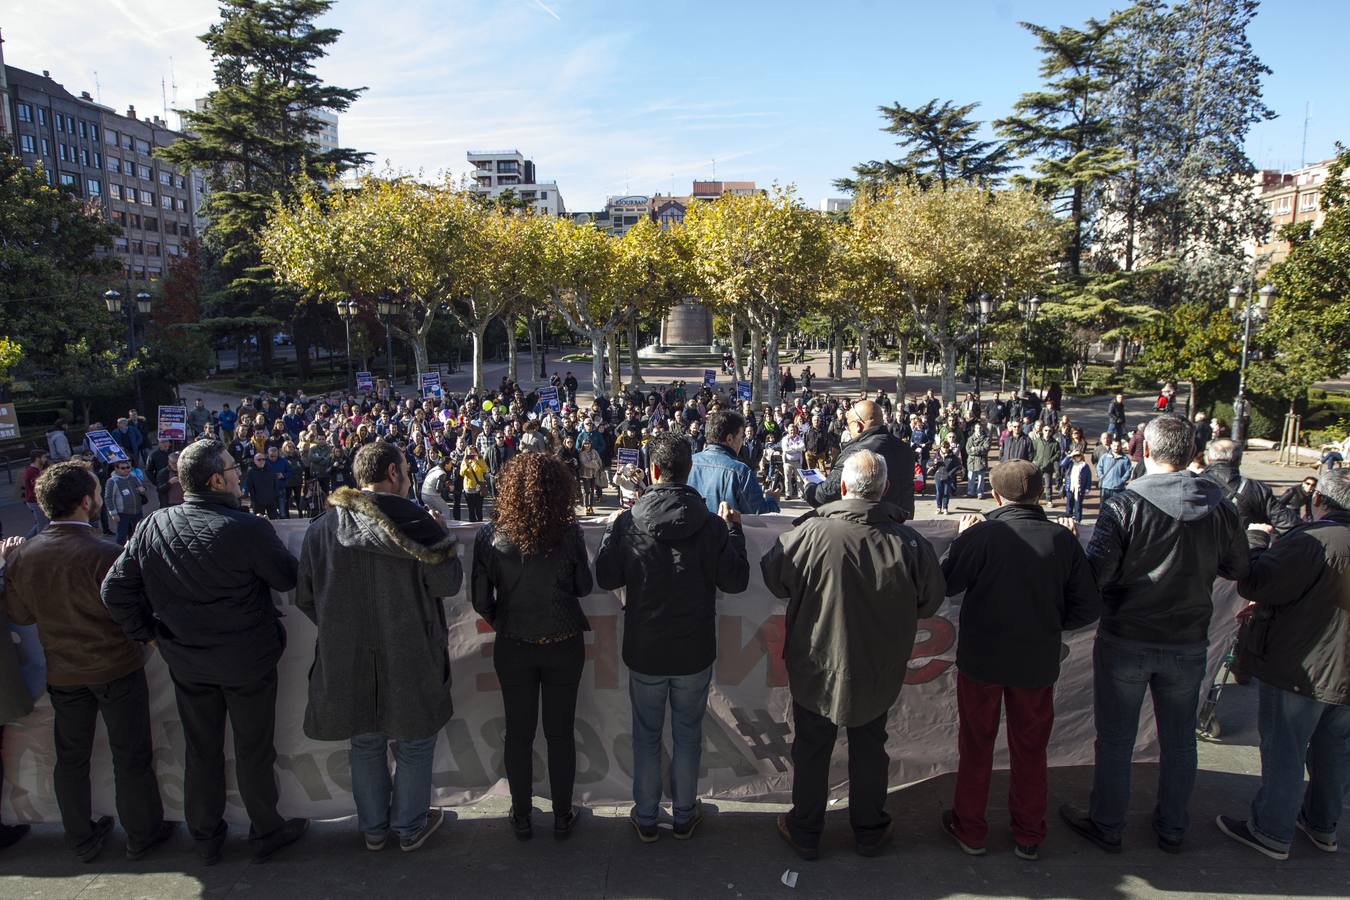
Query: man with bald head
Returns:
{"type": "Point", "coordinates": [866, 424]}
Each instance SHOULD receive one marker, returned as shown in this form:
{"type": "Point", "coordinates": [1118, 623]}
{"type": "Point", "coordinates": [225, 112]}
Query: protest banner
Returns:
{"type": "Point", "coordinates": [628, 456]}
{"type": "Point", "coordinates": [9, 422]}
{"type": "Point", "coordinates": [429, 384]}
{"type": "Point", "coordinates": [365, 382]}
{"type": "Point", "coordinates": [548, 397]}
{"type": "Point", "coordinates": [747, 733]}
{"type": "Point", "coordinates": [104, 447]}
{"type": "Point", "coordinates": [171, 423]}
{"type": "Point", "coordinates": [710, 378]}
{"type": "Point", "coordinates": [742, 390]}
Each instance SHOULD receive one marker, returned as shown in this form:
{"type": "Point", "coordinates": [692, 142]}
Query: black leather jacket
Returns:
{"type": "Point", "coordinates": [1256, 504]}
{"type": "Point", "coordinates": [530, 598]}
{"type": "Point", "coordinates": [1156, 550]}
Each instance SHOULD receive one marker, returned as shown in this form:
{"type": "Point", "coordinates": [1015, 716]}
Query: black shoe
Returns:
{"type": "Point", "coordinates": [1029, 852]}
{"type": "Point", "coordinates": [872, 848]}
{"type": "Point", "coordinates": [1167, 845]}
{"type": "Point", "coordinates": [1322, 841]}
{"type": "Point", "coordinates": [949, 826]}
{"type": "Point", "coordinates": [521, 826]}
{"type": "Point", "coordinates": [646, 833]}
{"type": "Point", "coordinates": [12, 834]}
{"type": "Point", "coordinates": [1239, 831]}
{"type": "Point", "coordinates": [264, 848]}
{"type": "Point", "coordinates": [93, 845]}
{"type": "Point", "coordinates": [803, 851]}
{"type": "Point", "coordinates": [1081, 822]}
{"type": "Point", "coordinates": [161, 834]}
{"type": "Point", "coordinates": [435, 817]}
{"type": "Point", "coordinates": [565, 824]}
{"type": "Point", "coordinates": [212, 848]}
{"type": "Point", "coordinates": [683, 831]}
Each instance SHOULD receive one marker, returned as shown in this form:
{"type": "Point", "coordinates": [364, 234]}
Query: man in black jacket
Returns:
{"type": "Point", "coordinates": [866, 422]}
{"type": "Point", "coordinates": [1298, 649]}
{"type": "Point", "coordinates": [1255, 503]}
{"type": "Point", "coordinates": [1026, 580]}
{"type": "Point", "coordinates": [671, 556]}
{"type": "Point", "coordinates": [1156, 550]}
{"type": "Point", "coordinates": [196, 581]}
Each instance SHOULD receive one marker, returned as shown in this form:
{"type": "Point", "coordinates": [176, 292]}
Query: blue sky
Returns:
{"type": "Point", "coordinates": [640, 97]}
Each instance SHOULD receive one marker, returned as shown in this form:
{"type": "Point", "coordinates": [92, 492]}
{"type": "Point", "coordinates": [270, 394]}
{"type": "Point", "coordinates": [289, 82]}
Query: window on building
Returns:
{"type": "Point", "coordinates": [1308, 202]}
{"type": "Point", "coordinates": [60, 122]}
{"type": "Point", "coordinates": [61, 152]}
{"type": "Point", "coordinates": [1283, 205]}
{"type": "Point", "coordinates": [165, 178]}
{"type": "Point", "coordinates": [98, 160]}
{"type": "Point", "coordinates": [93, 131]}
{"type": "Point", "coordinates": [27, 144]}
{"type": "Point", "coordinates": [145, 173]}
{"type": "Point", "coordinates": [151, 223]}
{"type": "Point", "coordinates": [151, 272]}
{"type": "Point", "coordinates": [111, 137]}
{"type": "Point", "coordinates": [152, 248]}
{"type": "Point", "coordinates": [119, 217]}
{"type": "Point", "coordinates": [84, 157]}
{"type": "Point", "coordinates": [171, 249]}
{"type": "Point", "coordinates": [46, 148]}
{"type": "Point", "coordinates": [142, 146]}
{"type": "Point", "coordinates": [127, 143]}
{"type": "Point", "coordinates": [180, 182]}
{"type": "Point", "coordinates": [138, 248]}
{"type": "Point", "coordinates": [120, 245]}
{"type": "Point", "coordinates": [94, 187]}
{"type": "Point", "coordinates": [182, 205]}
{"type": "Point", "coordinates": [115, 191]}
{"type": "Point", "coordinates": [114, 164]}
{"type": "Point", "coordinates": [42, 115]}
{"type": "Point", "coordinates": [184, 229]}
{"type": "Point", "coordinates": [165, 201]}
{"type": "Point", "coordinates": [48, 173]}
{"type": "Point", "coordinates": [135, 220]}
{"type": "Point", "coordinates": [148, 198]}
{"type": "Point", "coordinates": [69, 180]}
{"type": "Point", "coordinates": [25, 112]}
{"type": "Point", "coordinates": [84, 130]}
{"type": "Point", "coordinates": [543, 195]}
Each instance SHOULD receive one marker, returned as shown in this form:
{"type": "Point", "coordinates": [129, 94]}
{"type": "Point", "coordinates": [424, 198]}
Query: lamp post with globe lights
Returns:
{"type": "Point", "coordinates": [1240, 302]}
{"type": "Point", "coordinates": [127, 308]}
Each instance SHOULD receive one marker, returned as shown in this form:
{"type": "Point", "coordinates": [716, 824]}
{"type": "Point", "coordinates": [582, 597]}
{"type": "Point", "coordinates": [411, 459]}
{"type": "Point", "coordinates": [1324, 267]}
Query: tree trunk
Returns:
{"type": "Point", "coordinates": [512, 354]}
{"type": "Point", "coordinates": [948, 371]}
{"type": "Point", "coordinates": [839, 355]}
{"type": "Point", "coordinates": [753, 370]}
{"type": "Point", "coordinates": [597, 363]}
{"type": "Point", "coordinates": [634, 364]}
{"type": "Point", "coordinates": [862, 359]}
{"type": "Point", "coordinates": [775, 383]}
{"type": "Point", "coordinates": [477, 334]}
{"type": "Point", "coordinates": [737, 335]}
{"type": "Point", "coordinates": [615, 373]}
{"type": "Point", "coordinates": [902, 369]}
{"type": "Point", "coordinates": [534, 348]}
{"type": "Point", "coordinates": [1118, 361]}
{"type": "Point", "coordinates": [829, 356]}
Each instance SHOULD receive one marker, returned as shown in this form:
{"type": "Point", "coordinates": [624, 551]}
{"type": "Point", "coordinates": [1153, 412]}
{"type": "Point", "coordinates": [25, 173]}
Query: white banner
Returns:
{"type": "Point", "coordinates": [747, 734]}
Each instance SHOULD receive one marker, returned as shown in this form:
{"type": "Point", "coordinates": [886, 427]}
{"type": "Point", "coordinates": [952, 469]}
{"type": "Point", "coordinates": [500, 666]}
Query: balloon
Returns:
{"type": "Point", "coordinates": [487, 406]}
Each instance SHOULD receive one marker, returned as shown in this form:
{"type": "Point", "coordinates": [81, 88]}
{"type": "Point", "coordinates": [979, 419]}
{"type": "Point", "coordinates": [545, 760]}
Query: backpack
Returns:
{"type": "Point", "coordinates": [1161, 405]}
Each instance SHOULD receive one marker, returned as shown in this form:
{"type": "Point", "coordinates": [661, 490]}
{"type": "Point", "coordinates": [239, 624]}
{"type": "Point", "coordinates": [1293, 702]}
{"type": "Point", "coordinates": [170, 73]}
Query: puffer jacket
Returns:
{"type": "Point", "coordinates": [1299, 639]}
{"type": "Point", "coordinates": [1156, 550]}
{"type": "Point", "coordinates": [374, 569]}
{"type": "Point", "coordinates": [857, 582]}
{"type": "Point", "coordinates": [899, 458]}
{"type": "Point", "coordinates": [671, 556]}
{"type": "Point", "coordinates": [530, 598]}
{"type": "Point", "coordinates": [197, 579]}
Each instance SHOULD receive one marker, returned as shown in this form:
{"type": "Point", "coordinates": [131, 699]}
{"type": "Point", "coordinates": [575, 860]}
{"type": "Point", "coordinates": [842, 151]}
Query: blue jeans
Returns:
{"type": "Point", "coordinates": [126, 526]}
{"type": "Point", "coordinates": [688, 697]}
{"type": "Point", "coordinates": [399, 801]}
{"type": "Point", "coordinates": [1298, 731]}
{"type": "Point", "coordinates": [943, 487]}
{"type": "Point", "coordinates": [1073, 505]}
{"type": "Point", "coordinates": [975, 486]}
{"type": "Point", "coordinates": [1122, 672]}
{"type": "Point", "coordinates": [40, 520]}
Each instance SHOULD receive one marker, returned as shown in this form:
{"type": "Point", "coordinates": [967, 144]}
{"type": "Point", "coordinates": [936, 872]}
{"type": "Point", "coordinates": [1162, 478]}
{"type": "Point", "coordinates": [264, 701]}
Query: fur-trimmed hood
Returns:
{"type": "Point", "coordinates": [362, 524]}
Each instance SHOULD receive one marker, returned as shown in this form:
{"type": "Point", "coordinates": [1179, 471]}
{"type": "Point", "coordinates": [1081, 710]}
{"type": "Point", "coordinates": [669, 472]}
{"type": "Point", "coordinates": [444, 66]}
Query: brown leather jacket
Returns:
{"type": "Point", "coordinates": [53, 581]}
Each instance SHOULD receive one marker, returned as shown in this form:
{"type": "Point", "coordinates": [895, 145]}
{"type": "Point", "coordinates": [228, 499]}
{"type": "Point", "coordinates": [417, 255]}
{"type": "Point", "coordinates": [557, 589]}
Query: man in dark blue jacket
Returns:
{"type": "Point", "coordinates": [196, 581]}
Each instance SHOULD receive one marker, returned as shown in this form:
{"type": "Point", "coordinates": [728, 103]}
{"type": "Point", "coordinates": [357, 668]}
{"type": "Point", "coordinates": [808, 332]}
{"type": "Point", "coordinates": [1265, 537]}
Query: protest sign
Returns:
{"type": "Point", "coordinates": [365, 382]}
{"type": "Point", "coordinates": [628, 456]}
{"type": "Point", "coordinates": [811, 476]}
{"type": "Point", "coordinates": [548, 396]}
{"type": "Point", "coordinates": [430, 384]}
{"type": "Point", "coordinates": [9, 422]}
{"type": "Point", "coordinates": [172, 423]}
{"type": "Point", "coordinates": [104, 447]}
{"type": "Point", "coordinates": [747, 734]}
{"type": "Point", "coordinates": [710, 378]}
{"type": "Point", "coordinates": [742, 390]}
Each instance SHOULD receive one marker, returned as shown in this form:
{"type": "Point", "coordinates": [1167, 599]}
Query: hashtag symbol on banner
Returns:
{"type": "Point", "coordinates": [766, 736]}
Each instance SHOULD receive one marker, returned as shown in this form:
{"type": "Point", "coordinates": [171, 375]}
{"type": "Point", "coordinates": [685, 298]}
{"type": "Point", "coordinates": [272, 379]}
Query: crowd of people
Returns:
{"type": "Point", "coordinates": [382, 480]}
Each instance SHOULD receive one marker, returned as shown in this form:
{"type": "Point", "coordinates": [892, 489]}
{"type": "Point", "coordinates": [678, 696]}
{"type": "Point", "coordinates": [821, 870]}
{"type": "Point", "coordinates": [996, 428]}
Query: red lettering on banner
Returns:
{"type": "Point", "coordinates": [603, 651]}
{"type": "Point", "coordinates": [486, 682]}
{"type": "Point", "coordinates": [734, 661]}
{"type": "Point", "coordinates": [936, 636]}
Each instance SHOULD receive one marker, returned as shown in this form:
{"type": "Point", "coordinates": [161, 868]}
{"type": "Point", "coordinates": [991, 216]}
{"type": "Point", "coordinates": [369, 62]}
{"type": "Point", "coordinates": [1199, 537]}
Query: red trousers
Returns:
{"type": "Point", "coordinates": [1031, 713]}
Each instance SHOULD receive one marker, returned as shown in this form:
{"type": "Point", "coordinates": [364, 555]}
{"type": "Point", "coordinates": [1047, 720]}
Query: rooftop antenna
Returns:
{"type": "Point", "coordinates": [163, 99]}
{"type": "Point", "coordinates": [98, 89]}
{"type": "Point", "coordinates": [1307, 112]}
{"type": "Point", "coordinates": [173, 93]}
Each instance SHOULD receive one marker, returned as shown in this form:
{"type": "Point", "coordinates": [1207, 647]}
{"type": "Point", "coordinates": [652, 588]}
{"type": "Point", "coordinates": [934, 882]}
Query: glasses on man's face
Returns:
{"type": "Point", "coordinates": [234, 468]}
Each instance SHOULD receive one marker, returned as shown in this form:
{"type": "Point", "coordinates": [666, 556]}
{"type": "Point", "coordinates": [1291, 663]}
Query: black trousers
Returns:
{"type": "Point", "coordinates": [125, 706]}
{"type": "Point", "coordinates": [527, 672]}
{"type": "Point", "coordinates": [475, 501]}
{"type": "Point", "coordinates": [252, 709]}
{"type": "Point", "coordinates": [868, 769]}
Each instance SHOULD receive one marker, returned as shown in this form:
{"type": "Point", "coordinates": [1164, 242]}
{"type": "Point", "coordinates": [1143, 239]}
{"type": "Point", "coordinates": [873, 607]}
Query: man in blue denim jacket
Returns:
{"type": "Point", "coordinates": [719, 475]}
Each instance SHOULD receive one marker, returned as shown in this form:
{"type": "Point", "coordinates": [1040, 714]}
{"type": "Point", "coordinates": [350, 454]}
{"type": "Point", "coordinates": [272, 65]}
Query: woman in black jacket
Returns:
{"type": "Point", "coordinates": [529, 569]}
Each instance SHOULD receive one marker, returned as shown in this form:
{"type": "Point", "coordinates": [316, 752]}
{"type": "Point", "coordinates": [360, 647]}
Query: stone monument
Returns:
{"type": "Point", "coordinates": [686, 336]}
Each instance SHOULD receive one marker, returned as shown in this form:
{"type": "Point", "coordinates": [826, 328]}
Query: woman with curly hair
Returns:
{"type": "Point", "coordinates": [529, 569]}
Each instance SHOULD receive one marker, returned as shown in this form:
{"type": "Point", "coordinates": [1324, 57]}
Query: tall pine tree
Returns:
{"type": "Point", "coordinates": [252, 139]}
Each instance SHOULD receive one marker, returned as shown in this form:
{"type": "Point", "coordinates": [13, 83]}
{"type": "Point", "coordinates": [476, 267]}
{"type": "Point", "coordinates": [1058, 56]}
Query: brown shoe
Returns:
{"type": "Point", "coordinates": [807, 853]}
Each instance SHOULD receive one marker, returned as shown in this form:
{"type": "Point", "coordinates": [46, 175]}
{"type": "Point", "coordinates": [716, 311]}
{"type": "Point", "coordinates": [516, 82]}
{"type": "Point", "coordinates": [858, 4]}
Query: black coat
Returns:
{"type": "Point", "coordinates": [197, 579]}
{"type": "Point", "coordinates": [899, 470]}
{"type": "Point", "coordinates": [1255, 502]}
{"type": "Point", "coordinates": [530, 597]}
{"type": "Point", "coordinates": [1299, 638]}
{"type": "Point", "coordinates": [1026, 580]}
{"type": "Point", "coordinates": [671, 556]}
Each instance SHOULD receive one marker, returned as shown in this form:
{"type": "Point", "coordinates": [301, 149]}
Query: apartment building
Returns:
{"type": "Point", "coordinates": [1290, 197]}
{"type": "Point", "coordinates": [494, 172]}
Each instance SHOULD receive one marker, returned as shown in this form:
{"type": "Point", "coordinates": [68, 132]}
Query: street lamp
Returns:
{"type": "Point", "coordinates": [127, 308]}
{"type": "Point", "coordinates": [387, 310]}
{"type": "Point", "coordinates": [348, 310]}
{"type": "Point", "coordinates": [1028, 307]}
{"type": "Point", "coordinates": [1240, 303]}
{"type": "Point", "coordinates": [979, 307]}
